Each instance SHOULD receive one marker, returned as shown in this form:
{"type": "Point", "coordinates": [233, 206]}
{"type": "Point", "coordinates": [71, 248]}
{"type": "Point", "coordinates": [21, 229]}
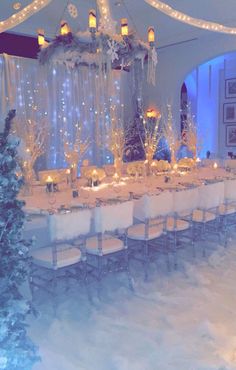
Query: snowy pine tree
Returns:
{"type": "Point", "coordinates": [17, 352]}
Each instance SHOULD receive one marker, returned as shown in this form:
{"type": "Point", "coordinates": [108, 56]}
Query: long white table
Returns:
{"type": "Point", "coordinates": [109, 193]}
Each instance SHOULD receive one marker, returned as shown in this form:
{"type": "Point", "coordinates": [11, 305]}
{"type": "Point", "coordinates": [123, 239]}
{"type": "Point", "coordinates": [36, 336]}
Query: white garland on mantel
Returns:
{"type": "Point", "coordinates": [185, 18]}
{"type": "Point", "coordinates": [23, 14]}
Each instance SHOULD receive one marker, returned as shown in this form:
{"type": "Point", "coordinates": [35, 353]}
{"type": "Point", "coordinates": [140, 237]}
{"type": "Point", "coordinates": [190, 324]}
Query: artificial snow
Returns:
{"type": "Point", "coordinates": [183, 319]}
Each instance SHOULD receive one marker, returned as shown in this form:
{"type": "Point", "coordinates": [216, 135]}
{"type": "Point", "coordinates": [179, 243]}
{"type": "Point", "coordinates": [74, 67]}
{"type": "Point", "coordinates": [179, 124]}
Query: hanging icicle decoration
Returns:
{"type": "Point", "coordinates": [151, 69]}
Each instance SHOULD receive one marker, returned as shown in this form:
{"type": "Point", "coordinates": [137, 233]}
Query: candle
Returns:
{"type": "Point", "coordinates": [215, 166]}
{"type": "Point", "coordinates": [49, 179]}
{"type": "Point", "coordinates": [94, 178]}
{"type": "Point", "coordinates": [116, 177]}
{"type": "Point", "coordinates": [49, 184]}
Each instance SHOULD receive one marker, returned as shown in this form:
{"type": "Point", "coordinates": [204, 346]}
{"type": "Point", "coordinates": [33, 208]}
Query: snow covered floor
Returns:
{"type": "Point", "coordinates": [184, 320]}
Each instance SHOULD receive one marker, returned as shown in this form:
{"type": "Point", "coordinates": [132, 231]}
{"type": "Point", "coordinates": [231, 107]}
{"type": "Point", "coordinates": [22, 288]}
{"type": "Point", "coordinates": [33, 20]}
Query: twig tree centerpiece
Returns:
{"type": "Point", "coordinates": [171, 135]}
{"type": "Point", "coordinates": [75, 151]}
{"type": "Point", "coordinates": [33, 137]}
{"type": "Point", "coordinates": [150, 136]}
{"type": "Point", "coordinates": [190, 135]}
{"type": "Point", "coordinates": [116, 145]}
{"type": "Point", "coordinates": [17, 352]}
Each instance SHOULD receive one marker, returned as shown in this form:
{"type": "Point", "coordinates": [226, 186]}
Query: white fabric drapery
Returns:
{"type": "Point", "coordinates": [62, 97]}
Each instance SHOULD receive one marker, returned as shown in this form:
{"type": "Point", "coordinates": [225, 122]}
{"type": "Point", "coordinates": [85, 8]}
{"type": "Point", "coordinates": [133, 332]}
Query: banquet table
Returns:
{"type": "Point", "coordinates": [40, 203]}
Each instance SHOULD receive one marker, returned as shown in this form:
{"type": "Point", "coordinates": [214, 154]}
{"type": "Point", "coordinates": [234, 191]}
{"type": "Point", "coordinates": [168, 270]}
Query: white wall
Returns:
{"type": "Point", "coordinates": [175, 63]}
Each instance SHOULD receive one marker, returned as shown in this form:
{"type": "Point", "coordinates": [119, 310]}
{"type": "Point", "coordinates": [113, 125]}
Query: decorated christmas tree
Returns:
{"type": "Point", "coordinates": [17, 352]}
{"type": "Point", "coordinates": [133, 134]}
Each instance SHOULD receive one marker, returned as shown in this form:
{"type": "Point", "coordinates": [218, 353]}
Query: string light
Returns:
{"type": "Point", "coordinates": [196, 22]}
{"type": "Point", "coordinates": [23, 14]}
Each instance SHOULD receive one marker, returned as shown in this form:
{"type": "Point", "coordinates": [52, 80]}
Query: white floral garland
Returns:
{"type": "Point", "coordinates": [23, 14]}
{"type": "Point", "coordinates": [185, 18]}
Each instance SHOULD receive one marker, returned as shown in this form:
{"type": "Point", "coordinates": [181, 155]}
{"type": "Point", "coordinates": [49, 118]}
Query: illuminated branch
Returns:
{"type": "Point", "coordinates": [34, 138]}
{"type": "Point", "coordinates": [171, 134]}
{"type": "Point", "coordinates": [75, 151]}
{"type": "Point", "coordinates": [190, 137]}
{"type": "Point", "coordinates": [151, 136]}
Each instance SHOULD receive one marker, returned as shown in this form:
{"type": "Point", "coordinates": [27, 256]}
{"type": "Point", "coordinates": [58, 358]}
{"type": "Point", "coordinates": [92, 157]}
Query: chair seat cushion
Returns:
{"type": "Point", "coordinates": [201, 216]}
{"type": "Point", "coordinates": [228, 209]}
{"type": "Point", "coordinates": [66, 255]}
{"type": "Point", "coordinates": [109, 245]}
{"type": "Point", "coordinates": [176, 225]}
{"type": "Point", "coordinates": [137, 232]}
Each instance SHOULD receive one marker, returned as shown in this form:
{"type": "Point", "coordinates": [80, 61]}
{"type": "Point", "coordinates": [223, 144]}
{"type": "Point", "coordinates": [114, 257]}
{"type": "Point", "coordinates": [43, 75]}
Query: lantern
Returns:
{"type": "Point", "coordinates": [92, 20]}
{"type": "Point", "coordinates": [151, 36]}
{"type": "Point", "coordinates": [41, 37]}
{"type": "Point", "coordinates": [65, 29]}
{"type": "Point", "coordinates": [151, 113]}
{"type": "Point", "coordinates": [124, 27]}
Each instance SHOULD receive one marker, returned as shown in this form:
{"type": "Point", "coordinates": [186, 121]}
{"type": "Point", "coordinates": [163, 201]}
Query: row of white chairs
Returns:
{"type": "Point", "coordinates": [163, 223]}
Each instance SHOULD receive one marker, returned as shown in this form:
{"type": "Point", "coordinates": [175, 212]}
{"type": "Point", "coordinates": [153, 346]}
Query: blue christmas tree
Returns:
{"type": "Point", "coordinates": [17, 352]}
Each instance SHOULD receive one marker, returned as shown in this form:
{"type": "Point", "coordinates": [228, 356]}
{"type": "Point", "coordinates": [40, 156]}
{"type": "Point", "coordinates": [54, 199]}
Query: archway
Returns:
{"type": "Point", "coordinates": [209, 89]}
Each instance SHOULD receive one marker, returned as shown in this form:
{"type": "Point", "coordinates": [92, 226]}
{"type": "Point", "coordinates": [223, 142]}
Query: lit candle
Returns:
{"type": "Point", "coordinates": [215, 166]}
{"type": "Point", "coordinates": [49, 184]}
{"type": "Point", "coordinates": [175, 167]}
{"type": "Point", "coordinates": [116, 177]}
{"type": "Point", "coordinates": [94, 178]}
{"type": "Point", "coordinates": [49, 179]}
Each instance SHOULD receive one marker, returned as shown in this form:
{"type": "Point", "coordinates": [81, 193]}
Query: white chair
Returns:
{"type": "Point", "coordinates": [230, 163]}
{"type": "Point", "coordinates": [227, 210]}
{"type": "Point", "coordinates": [206, 218]}
{"type": "Point", "coordinates": [55, 260]}
{"type": "Point", "coordinates": [145, 237]}
{"type": "Point", "coordinates": [107, 249]}
{"type": "Point", "coordinates": [179, 226]}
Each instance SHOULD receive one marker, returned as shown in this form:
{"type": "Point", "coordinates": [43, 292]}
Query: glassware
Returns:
{"type": "Point", "coordinates": [52, 201]}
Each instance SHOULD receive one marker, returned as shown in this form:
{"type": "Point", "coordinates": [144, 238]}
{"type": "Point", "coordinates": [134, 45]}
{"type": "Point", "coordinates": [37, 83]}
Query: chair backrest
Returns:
{"type": "Point", "coordinates": [112, 217]}
{"type": "Point", "coordinates": [230, 163]}
{"type": "Point", "coordinates": [135, 168]}
{"type": "Point", "coordinates": [67, 226]}
{"type": "Point", "coordinates": [230, 189]}
{"type": "Point", "coordinates": [186, 200]}
{"type": "Point", "coordinates": [109, 169]}
{"type": "Point", "coordinates": [152, 206]}
{"type": "Point", "coordinates": [211, 195]}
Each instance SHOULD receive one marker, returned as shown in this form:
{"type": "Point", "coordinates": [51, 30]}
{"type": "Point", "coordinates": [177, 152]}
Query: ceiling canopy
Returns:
{"type": "Point", "coordinates": [140, 16]}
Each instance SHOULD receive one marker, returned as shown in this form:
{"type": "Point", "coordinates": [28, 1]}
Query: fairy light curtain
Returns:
{"type": "Point", "coordinates": [64, 98]}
